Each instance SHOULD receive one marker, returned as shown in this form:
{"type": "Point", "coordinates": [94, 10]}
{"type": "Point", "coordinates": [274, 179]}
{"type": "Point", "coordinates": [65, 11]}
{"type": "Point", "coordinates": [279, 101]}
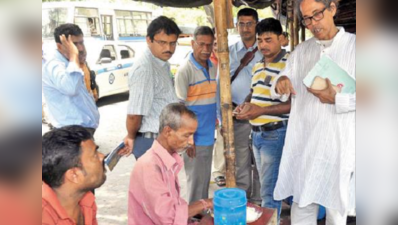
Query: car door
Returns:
{"type": "Point", "coordinates": [127, 55]}
{"type": "Point", "coordinates": [108, 77]}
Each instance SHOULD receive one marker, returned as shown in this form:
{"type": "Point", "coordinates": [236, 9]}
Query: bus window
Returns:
{"type": "Point", "coordinates": [107, 26]}
{"type": "Point", "coordinates": [141, 22]}
{"type": "Point", "coordinates": [51, 19]}
{"type": "Point", "coordinates": [132, 24]}
{"type": "Point", "coordinates": [88, 20]}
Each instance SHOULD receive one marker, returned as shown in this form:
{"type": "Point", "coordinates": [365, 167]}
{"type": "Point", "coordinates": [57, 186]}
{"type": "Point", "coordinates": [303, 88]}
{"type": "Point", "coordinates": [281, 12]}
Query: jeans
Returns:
{"type": "Point", "coordinates": [141, 145]}
{"type": "Point", "coordinates": [267, 148]}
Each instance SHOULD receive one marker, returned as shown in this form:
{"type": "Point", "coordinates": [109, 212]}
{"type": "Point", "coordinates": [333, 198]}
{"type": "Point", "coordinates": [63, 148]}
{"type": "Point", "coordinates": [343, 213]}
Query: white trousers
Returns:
{"type": "Point", "coordinates": [308, 215]}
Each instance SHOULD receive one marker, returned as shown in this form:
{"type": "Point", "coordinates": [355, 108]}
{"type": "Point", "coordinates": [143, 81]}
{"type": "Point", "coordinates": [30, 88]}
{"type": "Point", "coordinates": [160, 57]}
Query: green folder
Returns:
{"type": "Point", "coordinates": [327, 68]}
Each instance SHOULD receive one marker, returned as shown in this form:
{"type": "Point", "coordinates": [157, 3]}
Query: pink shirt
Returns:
{"type": "Point", "coordinates": [154, 195]}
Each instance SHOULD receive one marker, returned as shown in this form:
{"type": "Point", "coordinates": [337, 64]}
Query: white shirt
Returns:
{"type": "Point", "coordinates": [318, 160]}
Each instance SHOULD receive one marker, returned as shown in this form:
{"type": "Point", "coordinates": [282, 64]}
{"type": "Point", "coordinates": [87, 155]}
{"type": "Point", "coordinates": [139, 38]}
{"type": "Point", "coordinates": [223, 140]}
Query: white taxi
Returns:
{"type": "Point", "coordinates": [111, 62]}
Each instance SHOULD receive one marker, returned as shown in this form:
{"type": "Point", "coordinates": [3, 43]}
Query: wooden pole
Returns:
{"type": "Point", "coordinates": [295, 27]}
{"type": "Point", "coordinates": [302, 33]}
{"type": "Point", "coordinates": [290, 18]}
{"type": "Point", "coordinates": [230, 16]}
{"type": "Point", "coordinates": [220, 11]}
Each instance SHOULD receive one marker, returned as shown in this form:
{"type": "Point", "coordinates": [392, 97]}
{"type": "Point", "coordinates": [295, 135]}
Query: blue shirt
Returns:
{"type": "Point", "coordinates": [196, 86]}
{"type": "Point", "coordinates": [241, 87]}
{"type": "Point", "coordinates": [67, 97]}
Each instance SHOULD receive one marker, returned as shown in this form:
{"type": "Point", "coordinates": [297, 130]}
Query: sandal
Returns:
{"type": "Point", "coordinates": [220, 181]}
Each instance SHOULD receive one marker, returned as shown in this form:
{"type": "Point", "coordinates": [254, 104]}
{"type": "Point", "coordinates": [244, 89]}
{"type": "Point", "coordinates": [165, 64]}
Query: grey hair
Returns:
{"type": "Point", "coordinates": [203, 30]}
{"type": "Point", "coordinates": [171, 116]}
{"type": "Point", "coordinates": [325, 2]}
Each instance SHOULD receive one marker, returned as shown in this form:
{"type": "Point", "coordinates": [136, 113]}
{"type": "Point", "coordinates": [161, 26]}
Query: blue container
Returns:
{"type": "Point", "coordinates": [230, 207]}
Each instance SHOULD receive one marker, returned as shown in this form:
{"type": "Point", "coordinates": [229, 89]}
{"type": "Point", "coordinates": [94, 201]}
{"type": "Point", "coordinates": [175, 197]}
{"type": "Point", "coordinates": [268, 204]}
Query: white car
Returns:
{"type": "Point", "coordinates": [111, 62]}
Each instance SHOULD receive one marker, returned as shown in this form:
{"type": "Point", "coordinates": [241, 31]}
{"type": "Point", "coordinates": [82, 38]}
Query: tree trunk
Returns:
{"type": "Point", "coordinates": [221, 17]}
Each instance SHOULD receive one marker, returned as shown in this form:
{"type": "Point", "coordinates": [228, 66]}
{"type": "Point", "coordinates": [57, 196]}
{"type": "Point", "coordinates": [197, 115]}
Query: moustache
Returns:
{"type": "Point", "coordinates": [264, 50]}
{"type": "Point", "coordinates": [168, 53]}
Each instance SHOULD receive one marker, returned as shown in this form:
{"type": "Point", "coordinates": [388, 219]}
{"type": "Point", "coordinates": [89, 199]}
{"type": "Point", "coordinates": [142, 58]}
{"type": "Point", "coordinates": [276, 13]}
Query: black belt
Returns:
{"type": "Point", "coordinates": [270, 126]}
{"type": "Point", "coordinates": [148, 135]}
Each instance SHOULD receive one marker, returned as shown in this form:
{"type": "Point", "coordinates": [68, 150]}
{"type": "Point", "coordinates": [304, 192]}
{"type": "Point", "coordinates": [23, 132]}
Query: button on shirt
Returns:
{"type": "Point", "coordinates": [54, 214]}
{"type": "Point", "coordinates": [151, 90]}
{"type": "Point", "coordinates": [154, 195]}
{"type": "Point", "coordinates": [67, 98]}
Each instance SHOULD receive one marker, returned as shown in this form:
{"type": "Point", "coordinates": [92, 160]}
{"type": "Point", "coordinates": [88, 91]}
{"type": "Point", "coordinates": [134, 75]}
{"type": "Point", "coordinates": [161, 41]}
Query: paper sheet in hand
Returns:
{"type": "Point", "coordinates": [327, 68]}
{"type": "Point", "coordinates": [113, 158]}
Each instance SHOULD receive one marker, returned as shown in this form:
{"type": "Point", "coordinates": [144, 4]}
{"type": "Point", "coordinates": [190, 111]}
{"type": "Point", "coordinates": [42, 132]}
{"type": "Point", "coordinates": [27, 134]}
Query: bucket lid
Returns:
{"type": "Point", "coordinates": [230, 197]}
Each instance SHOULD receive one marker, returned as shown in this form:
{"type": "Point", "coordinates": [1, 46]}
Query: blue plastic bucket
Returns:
{"type": "Point", "coordinates": [230, 207]}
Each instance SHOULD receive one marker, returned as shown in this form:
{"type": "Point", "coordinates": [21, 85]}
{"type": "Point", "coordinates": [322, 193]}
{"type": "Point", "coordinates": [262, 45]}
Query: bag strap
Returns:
{"type": "Point", "coordinates": [93, 83]}
{"type": "Point", "coordinates": [247, 58]}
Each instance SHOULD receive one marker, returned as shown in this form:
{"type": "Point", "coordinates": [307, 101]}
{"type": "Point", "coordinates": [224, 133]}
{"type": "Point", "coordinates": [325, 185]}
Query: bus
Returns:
{"type": "Point", "coordinates": [104, 21]}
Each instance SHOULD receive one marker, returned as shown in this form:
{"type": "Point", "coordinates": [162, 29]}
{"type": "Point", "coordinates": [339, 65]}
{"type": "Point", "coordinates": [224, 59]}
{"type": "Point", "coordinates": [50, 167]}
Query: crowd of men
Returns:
{"type": "Point", "coordinates": [290, 140]}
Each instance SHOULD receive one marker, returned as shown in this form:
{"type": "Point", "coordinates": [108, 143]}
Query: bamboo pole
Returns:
{"type": "Point", "coordinates": [290, 16]}
{"type": "Point", "coordinates": [296, 28]}
{"type": "Point", "coordinates": [220, 11]}
{"type": "Point", "coordinates": [302, 33]}
{"type": "Point", "coordinates": [230, 19]}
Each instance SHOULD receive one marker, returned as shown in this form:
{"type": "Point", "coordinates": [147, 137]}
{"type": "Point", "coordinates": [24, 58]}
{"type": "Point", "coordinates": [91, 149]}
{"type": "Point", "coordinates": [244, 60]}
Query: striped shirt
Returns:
{"type": "Point", "coordinates": [197, 87]}
{"type": "Point", "coordinates": [318, 160]}
{"type": "Point", "coordinates": [151, 90]}
{"type": "Point", "coordinates": [264, 75]}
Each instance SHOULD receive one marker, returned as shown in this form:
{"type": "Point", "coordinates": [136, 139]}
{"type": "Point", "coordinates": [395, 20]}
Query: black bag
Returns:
{"type": "Point", "coordinates": [93, 84]}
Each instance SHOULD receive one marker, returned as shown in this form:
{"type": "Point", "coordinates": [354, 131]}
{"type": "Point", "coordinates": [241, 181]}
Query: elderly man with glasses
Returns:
{"type": "Point", "coordinates": [318, 161]}
{"type": "Point", "coordinates": [151, 86]}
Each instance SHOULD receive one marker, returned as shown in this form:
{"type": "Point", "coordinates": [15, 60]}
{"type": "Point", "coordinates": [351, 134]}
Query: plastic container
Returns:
{"type": "Point", "coordinates": [230, 207]}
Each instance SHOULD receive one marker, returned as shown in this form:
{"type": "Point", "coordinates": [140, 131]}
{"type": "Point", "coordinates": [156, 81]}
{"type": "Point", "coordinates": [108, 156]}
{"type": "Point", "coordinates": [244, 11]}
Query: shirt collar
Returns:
{"type": "Point", "coordinates": [241, 46]}
{"type": "Point", "coordinates": [160, 62]}
{"type": "Point", "coordinates": [328, 43]}
{"type": "Point", "coordinates": [168, 160]}
{"type": "Point", "coordinates": [197, 65]}
{"type": "Point", "coordinates": [61, 57]}
{"type": "Point", "coordinates": [49, 196]}
{"type": "Point", "coordinates": [280, 56]}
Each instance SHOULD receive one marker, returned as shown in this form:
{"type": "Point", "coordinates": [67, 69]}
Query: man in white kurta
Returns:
{"type": "Point", "coordinates": [318, 160]}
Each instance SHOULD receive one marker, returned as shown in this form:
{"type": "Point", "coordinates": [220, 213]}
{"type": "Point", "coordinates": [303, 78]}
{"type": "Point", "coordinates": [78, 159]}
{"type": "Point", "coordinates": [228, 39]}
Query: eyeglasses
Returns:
{"type": "Point", "coordinates": [202, 45]}
{"type": "Point", "coordinates": [165, 43]}
{"type": "Point", "coordinates": [248, 25]}
{"type": "Point", "coordinates": [316, 17]}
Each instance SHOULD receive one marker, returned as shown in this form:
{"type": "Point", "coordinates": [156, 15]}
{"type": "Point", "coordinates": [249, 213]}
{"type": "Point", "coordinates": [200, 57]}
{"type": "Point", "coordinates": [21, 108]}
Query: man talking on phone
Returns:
{"type": "Point", "coordinates": [68, 100]}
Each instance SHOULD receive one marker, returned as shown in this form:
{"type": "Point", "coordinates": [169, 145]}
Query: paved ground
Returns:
{"type": "Point", "coordinates": [112, 196]}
